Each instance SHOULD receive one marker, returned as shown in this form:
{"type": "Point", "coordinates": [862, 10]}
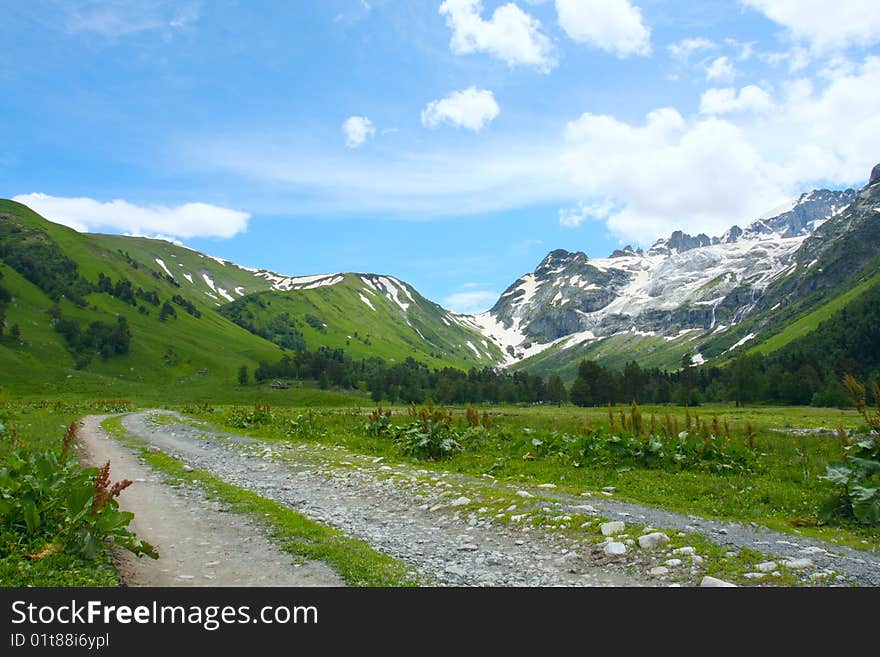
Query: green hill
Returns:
{"type": "Point", "coordinates": [111, 316]}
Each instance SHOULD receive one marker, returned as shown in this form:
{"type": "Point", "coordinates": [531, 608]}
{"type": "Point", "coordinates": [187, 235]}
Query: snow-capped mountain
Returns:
{"type": "Point", "coordinates": [683, 283]}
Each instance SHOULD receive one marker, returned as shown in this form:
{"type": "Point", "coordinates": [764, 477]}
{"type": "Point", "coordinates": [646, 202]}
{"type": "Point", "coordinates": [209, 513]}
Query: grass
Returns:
{"type": "Point", "coordinates": [782, 492]}
{"type": "Point", "coordinates": [355, 561]}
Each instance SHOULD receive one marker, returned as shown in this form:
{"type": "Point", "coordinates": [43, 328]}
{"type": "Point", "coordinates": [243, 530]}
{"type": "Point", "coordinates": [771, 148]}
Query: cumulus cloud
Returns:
{"type": "Point", "coordinates": [511, 35]}
{"type": "Point", "coordinates": [612, 25]}
{"type": "Point", "coordinates": [750, 98]}
{"type": "Point", "coordinates": [470, 303]}
{"type": "Point", "coordinates": [686, 47]}
{"type": "Point", "coordinates": [825, 25]}
{"type": "Point", "coordinates": [707, 172]}
{"type": "Point", "coordinates": [721, 69]}
{"type": "Point", "coordinates": [470, 108]}
{"type": "Point", "coordinates": [187, 220]}
{"type": "Point", "coordinates": [357, 130]}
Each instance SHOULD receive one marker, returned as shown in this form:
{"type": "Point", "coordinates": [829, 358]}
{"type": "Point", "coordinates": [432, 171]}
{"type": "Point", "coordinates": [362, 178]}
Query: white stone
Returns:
{"type": "Point", "coordinates": [187, 468]}
{"type": "Point", "coordinates": [798, 564]}
{"type": "Point", "coordinates": [524, 493]}
{"type": "Point", "coordinates": [696, 559]}
{"type": "Point", "coordinates": [755, 575]}
{"type": "Point", "coordinates": [658, 570]}
{"type": "Point", "coordinates": [715, 582]}
{"type": "Point", "coordinates": [461, 501]}
{"type": "Point", "coordinates": [673, 562]}
{"type": "Point", "coordinates": [614, 549]}
{"type": "Point", "coordinates": [546, 485]}
{"type": "Point", "coordinates": [766, 566]}
{"type": "Point", "coordinates": [653, 540]}
{"type": "Point", "coordinates": [611, 528]}
{"type": "Point", "coordinates": [687, 549]}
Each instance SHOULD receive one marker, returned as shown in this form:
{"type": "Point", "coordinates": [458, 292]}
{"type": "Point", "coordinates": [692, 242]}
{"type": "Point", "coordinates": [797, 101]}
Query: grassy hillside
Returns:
{"type": "Point", "coordinates": [184, 355]}
{"type": "Point", "coordinates": [55, 274]}
{"type": "Point", "coordinates": [195, 272]}
{"type": "Point", "coordinates": [368, 316]}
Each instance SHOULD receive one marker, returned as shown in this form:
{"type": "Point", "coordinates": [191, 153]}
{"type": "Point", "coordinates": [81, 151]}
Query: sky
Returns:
{"type": "Point", "coordinates": [450, 143]}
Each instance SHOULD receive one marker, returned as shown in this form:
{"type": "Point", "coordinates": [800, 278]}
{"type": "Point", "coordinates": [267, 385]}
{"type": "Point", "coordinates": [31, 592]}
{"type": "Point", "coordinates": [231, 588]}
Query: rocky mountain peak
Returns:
{"type": "Point", "coordinates": [559, 260]}
{"type": "Point", "coordinates": [875, 175]}
{"type": "Point", "coordinates": [679, 242]}
{"type": "Point", "coordinates": [627, 252]}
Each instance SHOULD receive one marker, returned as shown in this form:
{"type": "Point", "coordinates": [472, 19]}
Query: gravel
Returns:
{"type": "Point", "coordinates": [411, 514]}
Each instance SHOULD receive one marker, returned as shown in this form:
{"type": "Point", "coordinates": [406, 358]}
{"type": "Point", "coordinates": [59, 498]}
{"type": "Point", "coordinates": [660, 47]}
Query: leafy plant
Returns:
{"type": "Point", "coordinates": [430, 435]}
{"type": "Point", "coordinates": [49, 504]}
{"type": "Point", "coordinates": [379, 422]}
{"type": "Point", "coordinates": [260, 414]}
{"type": "Point", "coordinates": [857, 478]}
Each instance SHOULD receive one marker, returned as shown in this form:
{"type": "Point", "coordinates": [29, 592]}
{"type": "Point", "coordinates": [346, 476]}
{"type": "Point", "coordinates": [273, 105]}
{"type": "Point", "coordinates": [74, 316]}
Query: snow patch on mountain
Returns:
{"type": "Point", "coordinates": [750, 336]}
{"type": "Point", "coordinates": [161, 263]}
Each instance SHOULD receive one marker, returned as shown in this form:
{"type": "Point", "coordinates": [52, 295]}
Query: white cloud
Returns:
{"type": "Point", "coordinates": [750, 98]}
{"type": "Point", "coordinates": [686, 47]}
{"type": "Point", "coordinates": [705, 173]}
{"type": "Point", "coordinates": [511, 35]}
{"type": "Point", "coordinates": [187, 220]}
{"type": "Point", "coordinates": [120, 19]}
{"type": "Point", "coordinates": [721, 69]}
{"type": "Point", "coordinates": [575, 216]}
{"type": "Point", "coordinates": [700, 172]}
{"type": "Point", "coordinates": [357, 130]}
{"type": "Point", "coordinates": [612, 25]}
{"type": "Point", "coordinates": [825, 25]}
{"type": "Point", "coordinates": [470, 108]}
{"type": "Point", "coordinates": [470, 303]}
{"type": "Point", "coordinates": [797, 58]}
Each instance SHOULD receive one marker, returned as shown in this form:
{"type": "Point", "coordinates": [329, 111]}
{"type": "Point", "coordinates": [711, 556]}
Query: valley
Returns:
{"type": "Point", "coordinates": [694, 390]}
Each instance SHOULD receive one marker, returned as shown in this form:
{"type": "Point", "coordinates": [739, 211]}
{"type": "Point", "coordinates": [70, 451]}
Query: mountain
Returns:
{"type": "Point", "coordinates": [113, 315]}
{"type": "Point", "coordinates": [369, 315]}
{"type": "Point", "coordinates": [117, 316]}
{"type": "Point", "coordinates": [687, 291]}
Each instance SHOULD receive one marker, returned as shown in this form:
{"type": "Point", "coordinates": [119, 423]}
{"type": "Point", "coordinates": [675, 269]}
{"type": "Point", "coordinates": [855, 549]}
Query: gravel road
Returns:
{"type": "Point", "coordinates": [451, 529]}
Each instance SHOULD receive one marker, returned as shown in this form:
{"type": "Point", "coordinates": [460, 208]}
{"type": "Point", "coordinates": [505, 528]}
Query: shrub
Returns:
{"type": "Point", "coordinates": [857, 478]}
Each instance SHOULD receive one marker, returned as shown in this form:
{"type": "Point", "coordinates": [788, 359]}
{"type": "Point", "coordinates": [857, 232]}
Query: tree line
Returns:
{"type": "Point", "coordinates": [807, 371]}
{"type": "Point", "coordinates": [410, 381]}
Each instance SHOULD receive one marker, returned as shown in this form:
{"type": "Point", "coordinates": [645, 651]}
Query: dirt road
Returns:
{"type": "Point", "coordinates": [199, 544]}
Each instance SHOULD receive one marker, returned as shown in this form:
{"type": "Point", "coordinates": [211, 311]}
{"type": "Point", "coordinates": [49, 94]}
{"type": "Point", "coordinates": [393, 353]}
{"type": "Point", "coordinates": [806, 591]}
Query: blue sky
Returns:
{"type": "Point", "coordinates": [452, 144]}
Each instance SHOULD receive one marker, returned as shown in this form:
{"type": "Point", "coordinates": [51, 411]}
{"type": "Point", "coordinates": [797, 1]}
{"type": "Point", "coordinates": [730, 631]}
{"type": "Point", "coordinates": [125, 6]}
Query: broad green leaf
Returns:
{"type": "Point", "coordinates": [31, 515]}
{"type": "Point", "coordinates": [837, 473]}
